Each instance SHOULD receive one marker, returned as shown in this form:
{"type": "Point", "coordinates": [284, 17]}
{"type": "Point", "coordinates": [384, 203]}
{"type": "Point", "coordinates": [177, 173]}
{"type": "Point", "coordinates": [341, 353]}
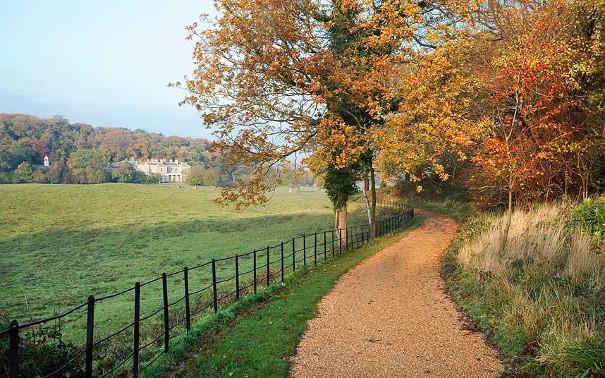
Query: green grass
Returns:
{"type": "Point", "coordinates": [452, 204]}
{"type": "Point", "coordinates": [60, 243]}
{"type": "Point", "coordinates": [257, 337]}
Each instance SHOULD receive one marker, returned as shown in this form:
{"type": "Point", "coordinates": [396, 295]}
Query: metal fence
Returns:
{"type": "Point", "coordinates": [194, 292]}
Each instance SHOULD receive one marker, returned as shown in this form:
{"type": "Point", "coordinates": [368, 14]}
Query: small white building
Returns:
{"type": "Point", "coordinates": [170, 170]}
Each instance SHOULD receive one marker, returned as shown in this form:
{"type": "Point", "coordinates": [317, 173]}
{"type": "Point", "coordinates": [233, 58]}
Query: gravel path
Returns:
{"type": "Point", "coordinates": [390, 316]}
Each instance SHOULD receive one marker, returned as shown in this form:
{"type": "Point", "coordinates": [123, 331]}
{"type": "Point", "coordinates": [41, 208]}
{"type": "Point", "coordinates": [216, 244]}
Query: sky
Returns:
{"type": "Point", "coordinates": [102, 62]}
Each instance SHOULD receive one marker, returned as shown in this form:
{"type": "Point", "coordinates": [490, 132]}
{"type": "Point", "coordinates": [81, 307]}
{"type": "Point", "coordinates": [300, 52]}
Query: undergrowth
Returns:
{"type": "Point", "coordinates": [539, 295]}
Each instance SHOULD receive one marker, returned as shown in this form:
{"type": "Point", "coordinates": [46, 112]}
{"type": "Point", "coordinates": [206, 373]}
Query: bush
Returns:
{"type": "Point", "coordinates": [153, 178]}
{"type": "Point", "coordinates": [590, 215]}
{"type": "Point", "coordinates": [39, 176]}
{"type": "Point", "coordinates": [6, 178]}
{"type": "Point", "coordinates": [41, 351]}
{"type": "Point", "coordinates": [23, 173]}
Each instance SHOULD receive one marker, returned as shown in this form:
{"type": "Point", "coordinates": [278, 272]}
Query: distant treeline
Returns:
{"type": "Point", "coordinates": [80, 153]}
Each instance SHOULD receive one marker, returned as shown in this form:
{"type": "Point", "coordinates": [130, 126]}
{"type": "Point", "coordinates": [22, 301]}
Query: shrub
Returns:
{"type": "Point", "coordinates": [591, 216]}
{"type": "Point", "coordinates": [39, 176]}
{"type": "Point", "coordinates": [23, 173]}
{"type": "Point", "coordinates": [6, 178]}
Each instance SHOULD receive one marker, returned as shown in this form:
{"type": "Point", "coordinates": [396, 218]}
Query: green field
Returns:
{"type": "Point", "coordinates": [60, 243]}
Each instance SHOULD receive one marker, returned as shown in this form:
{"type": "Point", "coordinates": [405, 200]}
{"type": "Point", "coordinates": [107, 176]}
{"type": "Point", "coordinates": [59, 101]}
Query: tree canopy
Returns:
{"type": "Point", "coordinates": [503, 97]}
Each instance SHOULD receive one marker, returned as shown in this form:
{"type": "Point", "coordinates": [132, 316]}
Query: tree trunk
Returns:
{"type": "Point", "coordinates": [342, 224]}
{"type": "Point", "coordinates": [373, 202]}
{"type": "Point", "coordinates": [366, 197]}
{"type": "Point", "coordinates": [509, 215]}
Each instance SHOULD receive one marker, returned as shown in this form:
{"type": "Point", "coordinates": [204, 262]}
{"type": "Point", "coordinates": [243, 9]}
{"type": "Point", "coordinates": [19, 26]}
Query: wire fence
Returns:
{"type": "Point", "coordinates": [187, 295]}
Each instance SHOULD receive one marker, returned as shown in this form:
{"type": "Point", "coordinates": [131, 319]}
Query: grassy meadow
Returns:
{"type": "Point", "coordinates": [61, 243]}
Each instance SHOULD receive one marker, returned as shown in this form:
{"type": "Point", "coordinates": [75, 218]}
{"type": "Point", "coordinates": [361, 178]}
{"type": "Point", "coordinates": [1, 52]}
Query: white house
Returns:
{"type": "Point", "coordinates": [170, 170]}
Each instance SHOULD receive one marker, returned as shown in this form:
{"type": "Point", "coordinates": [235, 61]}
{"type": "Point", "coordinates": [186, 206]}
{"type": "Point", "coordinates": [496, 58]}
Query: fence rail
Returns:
{"type": "Point", "coordinates": [231, 278]}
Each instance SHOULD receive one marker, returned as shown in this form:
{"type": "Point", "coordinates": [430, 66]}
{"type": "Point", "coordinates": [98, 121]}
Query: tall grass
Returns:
{"type": "Point", "coordinates": [539, 294]}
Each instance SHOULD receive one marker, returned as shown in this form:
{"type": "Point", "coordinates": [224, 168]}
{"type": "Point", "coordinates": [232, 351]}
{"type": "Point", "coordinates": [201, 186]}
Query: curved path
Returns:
{"type": "Point", "coordinates": [391, 316]}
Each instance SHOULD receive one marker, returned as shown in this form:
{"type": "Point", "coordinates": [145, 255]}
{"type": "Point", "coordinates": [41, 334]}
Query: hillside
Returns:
{"type": "Point", "coordinates": [26, 138]}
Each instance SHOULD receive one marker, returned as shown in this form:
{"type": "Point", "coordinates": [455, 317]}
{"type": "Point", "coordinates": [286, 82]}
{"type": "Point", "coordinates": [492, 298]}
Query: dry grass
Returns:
{"type": "Point", "coordinates": [540, 293]}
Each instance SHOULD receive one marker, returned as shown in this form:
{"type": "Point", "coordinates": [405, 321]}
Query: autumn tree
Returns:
{"type": "Point", "coordinates": [541, 139]}
{"type": "Point", "coordinates": [275, 78]}
{"type": "Point", "coordinates": [509, 106]}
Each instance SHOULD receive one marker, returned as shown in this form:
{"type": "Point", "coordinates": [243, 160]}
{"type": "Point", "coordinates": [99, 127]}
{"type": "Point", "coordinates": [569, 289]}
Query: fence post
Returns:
{"type": "Point", "coordinates": [304, 250]}
{"type": "Point", "coordinates": [339, 241]}
{"type": "Point", "coordinates": [315, 248]}
{"type": "Point", "coordinates": [268, 267]}
{"type": "Point", "coordinates": [236, 276]}
{"type": "Point", "coordinates": [214, 290]}
{"type": "Point", "coordinates": [13, 352]}
{"type": "Point", "coordinates": [166, 317]}
{"type": "Point", "coordinates": [187, 303]}
{"type": "Point", "coordinates": [136, 337]}
{"type": "Point", "coordinates": [90, 325]}
{"type": "Point", "coordinates": [254, 269]}
{"type": "Point", "coordinates": [282, 261]}
{"type": "Point", "coordinates": [333, 244]}
{"type": "Point", "coordinates": [293, 255]}
{"type": "Point", "coordinates": [325, 247]}
{"type": "Point", "coordinates": [348, 239]}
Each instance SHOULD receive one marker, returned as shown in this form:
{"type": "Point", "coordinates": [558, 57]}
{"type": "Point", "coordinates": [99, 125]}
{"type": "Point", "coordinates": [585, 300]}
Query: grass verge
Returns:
{"type": "Point", "coordinates": [539, 296]}
{"type": "Point", "coordinates": [258, 335]}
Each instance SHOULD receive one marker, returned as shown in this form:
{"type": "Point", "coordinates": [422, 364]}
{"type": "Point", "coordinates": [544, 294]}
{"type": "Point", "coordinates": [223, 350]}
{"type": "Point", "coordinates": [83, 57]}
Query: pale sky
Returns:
{"type": "Point", "coordinates": [101, 62]}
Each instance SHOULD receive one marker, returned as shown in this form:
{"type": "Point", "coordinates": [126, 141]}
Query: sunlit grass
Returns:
{"type": "Point", "coordinates": [538, 294]}
{"type": "Point", "coordinates": [60, 243]}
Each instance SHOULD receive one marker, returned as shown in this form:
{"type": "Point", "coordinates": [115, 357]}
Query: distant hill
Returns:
{"type": "Point", "coordinates": [26, 138]}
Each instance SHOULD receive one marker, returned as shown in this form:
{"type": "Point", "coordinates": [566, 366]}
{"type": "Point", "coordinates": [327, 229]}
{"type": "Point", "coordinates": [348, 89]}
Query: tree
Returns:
{"type": "Point", "coordinates": [196, 176]}
{"type": "Point", "coordinates": [541, 141]}
{"type": "Point", "coordinates": [23, 173]}
{"type": "Point", "coordinates": [340, 185]}
{"type": "Point", "coordinates": [57, 170]}
{"type": "Point", "coordinates": [505, 108]}
{"type": "Point", "coordinates": [126, 173]}
{"type": "Point", "coordinates": [87, 166]}
{"type": "Point", "coordinates": [154, 178]}
{"type": "Point", "coordinates": [276, 78]}
{"type": "Point", "coordinates": [14, 154]}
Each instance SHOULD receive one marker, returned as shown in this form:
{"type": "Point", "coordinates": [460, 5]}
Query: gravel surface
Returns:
{"type": "Point", "coordinates": [391, 316]}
